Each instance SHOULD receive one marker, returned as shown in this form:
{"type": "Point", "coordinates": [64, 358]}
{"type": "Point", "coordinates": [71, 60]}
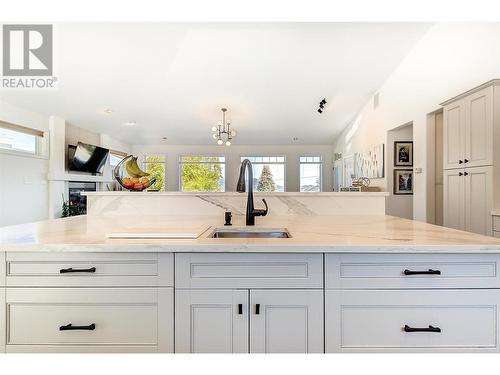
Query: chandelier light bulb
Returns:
{"type": "Point", "coordinates": [219, 142]}
{"type": "Point", "coordinates": [219, 123]}
{"type": "Point", "coordinates": [214, 136]}
{"type": "Point", "coordinates": [228, 143]}
{"type": "Point", "coordinates": [214, 128]}
{"type": "Point", "coordinates": [233, 133]}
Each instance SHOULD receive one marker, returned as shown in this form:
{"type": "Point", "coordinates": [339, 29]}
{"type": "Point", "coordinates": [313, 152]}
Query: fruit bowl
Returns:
{"type": "Point", "coordinates": [130, 176]}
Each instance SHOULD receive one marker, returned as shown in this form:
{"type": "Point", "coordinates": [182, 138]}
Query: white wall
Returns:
{"type": "Point", "coordinates": [449, 59]}
{"type": "Point", "coordinates": [23, 179]}
{"type": "Point", "coordinates": [397, 205]}
{"type": "Point", "coordinates": [233, 154]}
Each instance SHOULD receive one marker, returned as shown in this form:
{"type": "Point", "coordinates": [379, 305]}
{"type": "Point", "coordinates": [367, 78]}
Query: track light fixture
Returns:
{"type": "Point", "coordinates": [321, 106]}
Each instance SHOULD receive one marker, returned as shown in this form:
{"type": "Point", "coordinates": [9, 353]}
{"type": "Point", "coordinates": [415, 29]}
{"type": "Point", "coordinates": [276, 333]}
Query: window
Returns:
{"type": "Point", "coordinates": [202, 173]}
{"type": "Point", "coordinates": [115, 157]}
{"type": "Point", "coordinates": [310, 173]}
{"type": "Point", "coordinates": [19, 139]}
{"type": "Point", "coordinates": [268, 172]}
{"type": "Point", "coordinates": [155, 166]}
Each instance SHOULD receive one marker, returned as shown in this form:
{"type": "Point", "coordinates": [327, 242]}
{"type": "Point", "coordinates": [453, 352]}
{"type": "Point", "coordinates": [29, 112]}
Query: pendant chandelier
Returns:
{"type": "Point", "coordinates": [222, 131]}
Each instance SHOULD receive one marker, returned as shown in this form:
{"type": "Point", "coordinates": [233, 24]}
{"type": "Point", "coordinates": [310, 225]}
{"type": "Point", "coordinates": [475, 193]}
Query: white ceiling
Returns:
{"type": "Point", "coordinates": [172, 79]}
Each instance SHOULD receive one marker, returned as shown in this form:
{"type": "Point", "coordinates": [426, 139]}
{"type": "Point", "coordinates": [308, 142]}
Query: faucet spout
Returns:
{"type": "Point", "coordinates": [241, 188]}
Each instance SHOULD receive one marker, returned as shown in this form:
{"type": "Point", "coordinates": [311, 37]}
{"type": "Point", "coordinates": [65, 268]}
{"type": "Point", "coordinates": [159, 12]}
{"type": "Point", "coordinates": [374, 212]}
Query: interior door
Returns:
{"type": "Point", "coordinates": [454, 134]}
{"type": "Point", "coordinates": [478, 199]}
{"type": "Point", "coordinates": [286, 321]}
{"type": "Point", "coordinates": [454, 199]}
{"type": "Point", "coordinates": [211, 321]}
{"type": "Point", "coordinates": [479, 128]}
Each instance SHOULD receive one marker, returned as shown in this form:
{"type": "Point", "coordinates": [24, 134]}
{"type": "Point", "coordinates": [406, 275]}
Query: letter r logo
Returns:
{"type": "Point", "coordinates": [27, 50]}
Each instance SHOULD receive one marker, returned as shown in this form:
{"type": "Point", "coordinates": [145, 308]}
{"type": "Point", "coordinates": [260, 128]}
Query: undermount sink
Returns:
{"type": "Point", "coordinates": [250, 233]}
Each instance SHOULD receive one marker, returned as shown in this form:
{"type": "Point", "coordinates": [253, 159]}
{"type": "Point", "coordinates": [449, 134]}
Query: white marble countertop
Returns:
{"type": "Point", "coordinates": [234, 193]}
{"type": "Point", "coordinates": [321, 234]}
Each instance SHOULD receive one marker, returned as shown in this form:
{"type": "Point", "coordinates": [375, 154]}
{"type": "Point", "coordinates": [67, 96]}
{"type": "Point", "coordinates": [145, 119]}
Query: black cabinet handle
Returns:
{"type": "Point", "coordinates": [71, 327]}
{"type": "Point", "coordinates": [257, 309]}
{"type": "Point", "coordinates": [240, 308]}
{"type": "Point", "coordinates": [428, 272]}
{"type": "Point", "coordinates": [466, 160]}
{"type": "Point", "coordinates": [460, 162]}
{"type": "Point", "coordinates": [466, 173]}
{"type": "Point", "coordinates": [460, 173]}
{"type": "Point", "coordinates": [72, 270]}
{"type": "Point", "coordinates": [407, 328]}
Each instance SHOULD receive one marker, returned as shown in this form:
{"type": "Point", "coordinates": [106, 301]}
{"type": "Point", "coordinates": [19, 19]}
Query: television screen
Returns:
{"type": "Point", "coordinates": [89, 158]}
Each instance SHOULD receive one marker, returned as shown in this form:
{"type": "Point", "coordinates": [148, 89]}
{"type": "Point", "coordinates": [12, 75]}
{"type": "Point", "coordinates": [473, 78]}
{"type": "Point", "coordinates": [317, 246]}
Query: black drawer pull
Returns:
{"type": "Point", "coordinates": [407, 328]}
{"type": "Point", "coordinates": [71, 327]}
{"type": "Point", "coordinates": [257, 309]}
{"type": "Point", "coordinates": [240, 308]}
{"type": "Point", "coordinates": [460, 162]}
{"type": "Point", "coordinates": [72, 270]}
{"type": "Point", "coordinates": [428, 272]}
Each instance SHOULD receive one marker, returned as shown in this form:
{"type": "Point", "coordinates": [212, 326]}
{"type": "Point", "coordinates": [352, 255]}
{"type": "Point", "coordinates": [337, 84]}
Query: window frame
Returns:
{"type": "Point", "coordinates": [144, 162]}
{"type": "Point", "coordinates": [40, 138]}
{"type": "Point", "coordinates": [284, 163]}
{"type": "Point", "coordinates": [180, 162]}
{"type": "Point", "coordinates": [116, 153]}
{"type": "Point", "coordinates": [321, 162]}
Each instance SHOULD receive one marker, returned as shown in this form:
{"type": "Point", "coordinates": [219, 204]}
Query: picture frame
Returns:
{"type": "Point", "coordinates": [403, 182]}
{"type": "Point", "coordinates": [403, 153]}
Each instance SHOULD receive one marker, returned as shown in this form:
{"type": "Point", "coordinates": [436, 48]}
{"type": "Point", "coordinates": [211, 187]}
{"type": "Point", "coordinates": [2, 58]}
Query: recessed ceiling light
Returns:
{"type": "Point", "coordinates": [130, 123]}
{"type": "Point", "coordinates": [295, 138]}
{"type": "Point", "coordinates": [108, 111]}
{"type": "Point", "coordinates": [164, 138]}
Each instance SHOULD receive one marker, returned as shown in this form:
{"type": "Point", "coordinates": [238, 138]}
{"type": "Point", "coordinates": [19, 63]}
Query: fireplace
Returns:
{"type": "Point", "coordinates": [76, 201]}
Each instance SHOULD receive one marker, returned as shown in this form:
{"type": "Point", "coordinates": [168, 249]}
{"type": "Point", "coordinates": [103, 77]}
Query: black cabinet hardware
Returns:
{"type": "Point", "coordinates": [460, 162]}
{"type": "Point", "coordinates": [407, 328]}
{"type": "Point", "coordinates": [72, 270]}
{"type": "Point", "coordinates": [428, 272]}
{"type": "Point", "coordinates": [466, 173]}
{"type": "Point", "coordinates": [257, 309]}
{"type": "Point", "coordinates": [460, 173]}
{"type": "Point", "coordinates": [71, 327]}
{"type": "Point", "coordinates": [227, 218]}
{"type": "Point", "coordinates": [466, 160]}
{"type": "Point", "coordinates": [240, 308]}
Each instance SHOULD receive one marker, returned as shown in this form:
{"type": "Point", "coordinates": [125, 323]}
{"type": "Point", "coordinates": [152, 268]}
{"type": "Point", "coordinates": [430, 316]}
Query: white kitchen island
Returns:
{"type": "Point", "coordinates": [339, 284]}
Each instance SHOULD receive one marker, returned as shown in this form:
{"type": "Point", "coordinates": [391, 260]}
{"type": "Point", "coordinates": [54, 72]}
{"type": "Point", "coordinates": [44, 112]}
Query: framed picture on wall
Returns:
{"type": "Point", "coordinates": [403, 154]}
{"type": "Point", "coordinates": [403, 182]}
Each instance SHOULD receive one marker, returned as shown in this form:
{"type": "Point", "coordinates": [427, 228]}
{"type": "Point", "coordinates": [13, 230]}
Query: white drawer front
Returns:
{"type": "Point", "coordinates": [2, 269]}
{"type": "Point", "coordinates": [89, 269]}
{"type": "Point", "coordinates": [375, 271]}
{"type": "Point", "coordinates": [121, 317]}
{"type": "Point", "coordinates": [376, 320]}
{"type": "Point", "coordinates": [248, 271]}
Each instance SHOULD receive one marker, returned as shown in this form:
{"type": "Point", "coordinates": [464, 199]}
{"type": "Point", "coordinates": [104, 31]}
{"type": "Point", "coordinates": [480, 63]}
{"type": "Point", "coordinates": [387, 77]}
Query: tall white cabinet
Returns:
{"type": "Point", "coordinates": [471, 132]}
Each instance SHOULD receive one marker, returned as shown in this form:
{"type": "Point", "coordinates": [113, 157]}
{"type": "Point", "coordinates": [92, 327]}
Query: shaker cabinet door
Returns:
{"type": "Point", "coordinates": [454, 135]}
{"type": "Point", "coordinates": [478, 200]}
{"type": "Point", "coordinates": [479, 128]}
{"type": "Point", "coordinates": [286, 321]}
{"type": "Point", "coordinates": [211, 321]}
{"type": "Point", "coordinates": [454, 199]}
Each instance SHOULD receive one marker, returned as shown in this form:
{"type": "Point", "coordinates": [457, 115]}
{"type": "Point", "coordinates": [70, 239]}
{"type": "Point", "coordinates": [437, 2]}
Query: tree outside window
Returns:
{"type": "Point", "coordinates": [155, 166]}
{"type": "Point", "coordinates": [268, 172]}
{"type": "Point", "coordinates": [202, 173]}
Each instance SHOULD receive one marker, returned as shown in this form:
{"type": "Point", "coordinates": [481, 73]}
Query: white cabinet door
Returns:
{"type": "Point", "coordinates": [479, 128]}
{"type": "Point", "coordinates": [478, 199]}
{"type": "Point", "coordinates": [454, 199]}
{"type": "Point", "coordinates": [453, 135]}
{"type": "Point", "coordinates": [211, 321]}
{"type": "Point", "coordinates": [3, 333]}
{"type": "Point", "coordinates": [286, 321]}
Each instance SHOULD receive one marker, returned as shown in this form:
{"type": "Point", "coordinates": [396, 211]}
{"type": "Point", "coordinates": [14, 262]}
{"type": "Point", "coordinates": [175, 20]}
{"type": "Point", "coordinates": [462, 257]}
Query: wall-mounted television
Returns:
{"type": "Point", "coordinates": [87, 158]}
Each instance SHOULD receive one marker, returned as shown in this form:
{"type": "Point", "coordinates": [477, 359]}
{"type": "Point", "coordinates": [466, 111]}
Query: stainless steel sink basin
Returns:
{"type": "Point", "coordinates": [250, 233]}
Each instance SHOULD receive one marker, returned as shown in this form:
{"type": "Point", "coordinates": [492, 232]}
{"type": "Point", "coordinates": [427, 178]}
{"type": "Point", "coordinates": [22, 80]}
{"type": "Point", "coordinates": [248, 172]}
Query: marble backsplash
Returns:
{"type": "Point", "coordinates": [170, 204]}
